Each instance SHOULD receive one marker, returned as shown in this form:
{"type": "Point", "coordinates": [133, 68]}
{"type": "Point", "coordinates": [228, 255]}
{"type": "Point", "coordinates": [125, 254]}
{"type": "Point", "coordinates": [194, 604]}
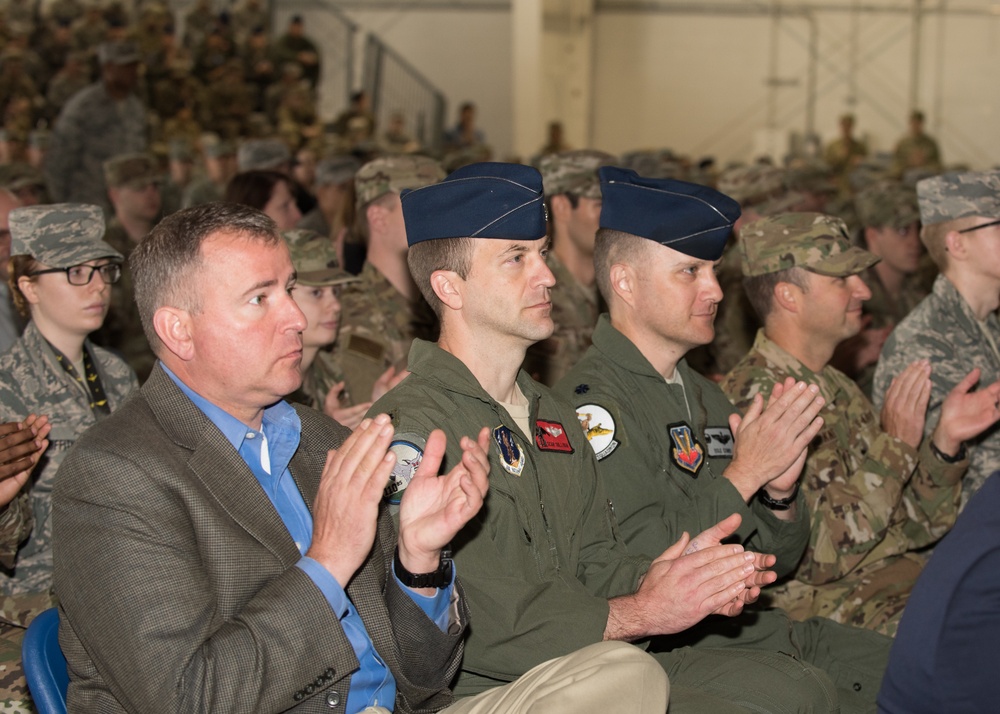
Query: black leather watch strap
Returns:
{"type": "Point", "coordinates": [778, 504]}
{"type": "Point", "coordinates": [440, 578]}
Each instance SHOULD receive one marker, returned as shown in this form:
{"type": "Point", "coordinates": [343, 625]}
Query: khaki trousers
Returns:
{"type": "Point", "coordinates": [599, 679]}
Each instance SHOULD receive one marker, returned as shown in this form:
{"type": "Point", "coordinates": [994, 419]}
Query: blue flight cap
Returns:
{"type": "Point", "coordinates": [693, 219]}
{"type": "Point", "coordinates": [486, 200]}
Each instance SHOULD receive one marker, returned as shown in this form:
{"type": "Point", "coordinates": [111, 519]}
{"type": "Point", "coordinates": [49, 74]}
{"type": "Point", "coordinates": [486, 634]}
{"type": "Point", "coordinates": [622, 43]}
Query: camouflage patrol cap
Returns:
{"type": "Point", "coordinates": [574, 172]}
{"type": "Point", "coordinates": [19, 175]}
{"type": "Point", "coordinates": [219, 148]}
{"type": "Point", "coordinates": [759, 186]}
{"type": "Point", "coordinates": [315, 259]}
{"type": "Point", "coordinates": [394, 173]}
{"type": "Point", "coordinates": [121, 52]}
{"type": "Point", "coordinates": [814, 241]}
{"type": "Point", "coordinates": [887, 204]}
{"type": "Point", "coordinates": [959, 195]}
{"type": "Point", "coordinates": [60, 235]}
{"type": "Point", "coordinates": [262, 154]}
{"type": "Point", "coordinates": [336, 169]}
{"type": "Point", "coordinates": [131, 171]}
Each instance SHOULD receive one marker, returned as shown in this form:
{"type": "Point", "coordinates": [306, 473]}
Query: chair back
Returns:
{"type": "Point", "coordinates": [44, 664]}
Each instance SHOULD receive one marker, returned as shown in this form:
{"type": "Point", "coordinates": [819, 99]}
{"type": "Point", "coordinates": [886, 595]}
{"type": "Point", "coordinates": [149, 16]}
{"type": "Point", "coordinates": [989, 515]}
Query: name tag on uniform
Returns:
{"type": "Point", "coordinates": [720, 442]}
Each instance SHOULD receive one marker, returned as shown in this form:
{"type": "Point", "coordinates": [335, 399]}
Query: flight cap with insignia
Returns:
{"type": "Point", "coordinates": [393, 174]}
{"type": "Point", "coordinates": [574, 172]}
{"type": "Point", "coordinates": [487, 200]}
{"type": "Point", "coordinates": [887, 204]}
{"type": "Point", "coordinates": [814, 241]}
{"type": "Point", "coordinates": [60, 235]}
{"type": "Point", "coordinates": [958, 195]}
{"type": "Point", "coordinates": [690, 218]}
{"type": "Point", "coordinates": [315, 259]}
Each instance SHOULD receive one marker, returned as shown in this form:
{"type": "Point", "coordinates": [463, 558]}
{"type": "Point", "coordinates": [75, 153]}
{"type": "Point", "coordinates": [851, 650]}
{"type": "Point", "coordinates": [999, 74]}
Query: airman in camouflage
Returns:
{"type": "Point", "coordinates": [134, 186]}
{"type": "Point", "coordinates": [384, 311]}
{"type": "Point", "coordinates": [890, 229]}
{"type": "Point", "coordinates": [34, 380]}
{"type": "Point", "coordinates": [317, 266]}
{"type": "Point", "coordinates": [916, 150]}
{"type": "Point", "coordinates": [955, 327]}
{"type": "Point", "coordinates": [877, 491]}
{"type": "Point", "coordinates": [760, 191]}
{"type": "Point", "coordinates": [573, 194]}
{"type": "Point", "coordinates": [845, 152]}
{"type": "Point", "coordinates": [99, 122]}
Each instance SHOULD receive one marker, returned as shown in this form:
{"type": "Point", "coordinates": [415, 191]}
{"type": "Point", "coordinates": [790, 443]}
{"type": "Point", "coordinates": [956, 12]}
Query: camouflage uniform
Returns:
{"type": "Point", "coordinates": [574, 311]}
{"type": "Point", "coordinates": [887, 204]}
{"type": "Point", "coordinates": [914, 152]}
{"type": "Point", "coordinates": [33, 381]}
{"type": "Point", "coordinates": [763, 189]}
{"type": "Point", "coordinates": [122, 329]}
{"type": "Point", "coordinates": [943, 327]}
{"type": "Point", "coordinates": [873, 500]}
{"type": "Point", "coordinates": [316, 264]}
{"type": "Point", "coordinates": [379, 323]}
{"type": "Point", "coordinates": [575, 306]}
{"type": "Point", "coordinates": [91, 129]}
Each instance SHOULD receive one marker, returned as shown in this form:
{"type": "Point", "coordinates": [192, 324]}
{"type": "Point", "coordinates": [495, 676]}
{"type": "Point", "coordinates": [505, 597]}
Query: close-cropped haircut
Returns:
{"type": "Point", "coordinates": [164, 262]}
{"type": "Point", "coordinates": [933, 237]}
{"type": "Point", "coordinates": [423, 258]}
{"type": "Point", "coordinates": [610, 248]}
{"type": "Point", "coordinates": [760, 288]}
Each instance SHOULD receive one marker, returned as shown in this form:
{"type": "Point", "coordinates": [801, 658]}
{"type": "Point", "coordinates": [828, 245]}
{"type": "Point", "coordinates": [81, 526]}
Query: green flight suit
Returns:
{"type": "Point", "coordinates": [543, 556]}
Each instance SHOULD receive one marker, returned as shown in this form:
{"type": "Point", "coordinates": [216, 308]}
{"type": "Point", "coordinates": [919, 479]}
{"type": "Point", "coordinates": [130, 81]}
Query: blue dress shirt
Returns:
{"type": "Point", "coordinates": [268, 452]}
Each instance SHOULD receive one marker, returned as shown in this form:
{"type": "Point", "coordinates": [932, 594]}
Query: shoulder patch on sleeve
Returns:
{"type": "Point", "coordinates": [409, 450]}
{"type": "Point", "coordinates": [599, 427]}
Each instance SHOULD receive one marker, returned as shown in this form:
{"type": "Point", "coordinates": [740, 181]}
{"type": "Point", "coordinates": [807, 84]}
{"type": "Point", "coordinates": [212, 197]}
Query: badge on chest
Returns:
{"type": "Point", "coordinates": [551, 436]}
{"type": "Point", "coordinates": [720, 442]}
{"type": "Point", "coordinates": [511, 457]}
{"type": "Point", "coordinates": [685, 450]}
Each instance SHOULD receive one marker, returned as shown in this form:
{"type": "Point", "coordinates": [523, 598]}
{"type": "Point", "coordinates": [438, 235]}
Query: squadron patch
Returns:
{"type": "Point", "coordinates": [687, 453]}
{"type": "Point", "coordinates": [409, 450]}
{"type": "Point", "coordinates": [551, 436]}
{"type": "Point", "coordinates": [599, 427]}
{"type": "Point", "coordinates": [511, 457]}
{"type": "Point", "coordinates": [719, 440]}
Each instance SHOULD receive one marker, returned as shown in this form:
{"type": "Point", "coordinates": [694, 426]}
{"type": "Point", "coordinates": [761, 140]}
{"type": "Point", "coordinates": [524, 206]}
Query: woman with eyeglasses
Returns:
{"type": "Point", "coordinates": [60, 277]}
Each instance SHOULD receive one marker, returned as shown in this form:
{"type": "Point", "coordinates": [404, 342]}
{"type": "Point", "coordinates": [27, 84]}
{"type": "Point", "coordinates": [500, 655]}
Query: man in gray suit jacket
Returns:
{"type": "Point", "coordinates": [219, 550]}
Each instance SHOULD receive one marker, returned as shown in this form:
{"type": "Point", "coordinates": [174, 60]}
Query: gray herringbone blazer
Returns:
{"type": "Point", "coordinates": [177, 582]}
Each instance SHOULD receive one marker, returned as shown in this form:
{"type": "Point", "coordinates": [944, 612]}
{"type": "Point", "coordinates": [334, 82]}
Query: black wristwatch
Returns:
{"type": "Point", "coordinates": [947, 458]}
{"type": "Point", "coordinates": [440, 578]}
{"type": "Point", "coordinates": [778, 504]}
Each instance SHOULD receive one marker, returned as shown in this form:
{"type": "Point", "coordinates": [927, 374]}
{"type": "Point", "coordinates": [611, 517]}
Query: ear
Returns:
{"type": "Point", "coordinates": [624, 281]}
{"type": "Point", "coordinates": [375, 215]}
{"type": "Point", "coordinates": [448, 286]}
{"type": "Point", "coordinates": [173, 327]}
{"type": "Point", "coordinates": [561, 207]}
{"type": "Point", "coordinates": [28, 289]}
{"type": "Point", "coordinates": [787, 296]}
{"type": "Point", "coordinates": [871, 239]}
{"type": "Point", "coordinates": [955, 244]}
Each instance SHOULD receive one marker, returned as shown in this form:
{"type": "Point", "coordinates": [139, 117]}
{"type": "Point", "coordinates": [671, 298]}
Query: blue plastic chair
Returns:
{"type": "Point", "coordinates": [44, 664]}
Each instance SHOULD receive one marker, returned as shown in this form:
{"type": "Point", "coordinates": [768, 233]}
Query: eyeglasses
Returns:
{"type": "Point", "coordinates": [83, 274]}
{"type": "Point", "coordinates": [982, 225]}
